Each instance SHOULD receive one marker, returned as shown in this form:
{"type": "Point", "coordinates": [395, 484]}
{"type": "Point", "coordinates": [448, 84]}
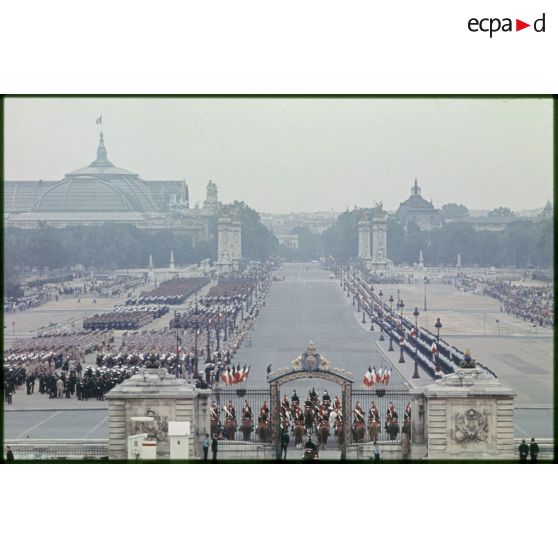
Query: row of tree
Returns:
{"type": "Point", "coordinates": [117, 245]}
{"type": "Point", "coordinates": [522, 243]}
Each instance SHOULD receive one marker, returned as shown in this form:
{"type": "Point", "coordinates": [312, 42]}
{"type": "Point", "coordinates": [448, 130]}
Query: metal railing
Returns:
{"type": "Point", "coordinates": [46, 449]}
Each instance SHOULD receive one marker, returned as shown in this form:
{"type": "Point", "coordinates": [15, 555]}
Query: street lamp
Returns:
{"type": "Point", "coordinates": [438, 326]}
{"type": "Point", "coordinates": [401, 305]}
{"type": "Point", "coordinates": [13, 329]}
{"type": "Point", "coordinates": [391, 303]}
{"type": "Point", "coordinates": [425, 281]}
{"type": "Point", "coordinates": [401, 345]}
{"type": "Point", "coordinates": [416, 315]}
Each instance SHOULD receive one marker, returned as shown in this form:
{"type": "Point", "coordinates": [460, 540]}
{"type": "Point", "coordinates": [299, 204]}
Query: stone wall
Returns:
{"type": "Point", "coordinates": [469, 416]}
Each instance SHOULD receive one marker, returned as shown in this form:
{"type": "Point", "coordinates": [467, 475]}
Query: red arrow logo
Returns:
{"type": "Point", "coordinates": [519, 25]}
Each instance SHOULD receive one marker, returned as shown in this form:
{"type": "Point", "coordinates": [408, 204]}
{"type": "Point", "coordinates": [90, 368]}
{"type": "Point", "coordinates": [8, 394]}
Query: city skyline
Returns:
{"type": "Point", "coordinates": [289, 155]}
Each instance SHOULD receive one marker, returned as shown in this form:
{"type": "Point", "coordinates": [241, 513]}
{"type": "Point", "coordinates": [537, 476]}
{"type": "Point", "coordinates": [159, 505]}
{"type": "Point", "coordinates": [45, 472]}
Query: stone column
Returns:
{"type": "Point", "coordinates": [364, 239]}
{"type": "Point", "coordinates": [224, 244]}
{"type": "Point", "coordinates": [469, 415]}
{"type": "Point", "coordinates": [236, 243]}
{"type": "Point", "coordinates": [379, 238]}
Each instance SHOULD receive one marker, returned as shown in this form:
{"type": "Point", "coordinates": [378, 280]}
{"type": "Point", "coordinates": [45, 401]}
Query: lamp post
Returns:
{"type": "Point", "coordinates": [381, 294]}
{"type": "Point", "coordinates": [438, 326]}
{"type": "Point", "coordinates": [425, 281]}
{"type": "Point", "coordinates": [400, 305]}
{"type": "Point", "coordinates": [401, 345]}
{"type": "Point", "coordinates": [416, 315]}
{"type": "Point", "coordinates": [391, 303]}
{"type": "Point", "coordinates": [13, 329]}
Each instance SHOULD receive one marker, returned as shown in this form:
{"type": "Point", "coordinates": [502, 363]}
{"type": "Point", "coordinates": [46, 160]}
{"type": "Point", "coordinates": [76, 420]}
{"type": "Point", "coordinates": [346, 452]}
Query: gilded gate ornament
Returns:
{"type": "Point", "coordinates": [471, 426]}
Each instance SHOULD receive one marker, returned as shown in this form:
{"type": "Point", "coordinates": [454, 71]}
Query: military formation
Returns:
{"type": "Point", "coordinates": [315, 416]}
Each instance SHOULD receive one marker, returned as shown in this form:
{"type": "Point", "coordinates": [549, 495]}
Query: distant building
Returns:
{"type": "Point", "coordinates": [288, 240]}
{"type": "Point", "coordinates": [101, 193]}
{"type": "Point", "coordinates": [283, 223]}
{"type": "Point", "coordinates": [419, 211]}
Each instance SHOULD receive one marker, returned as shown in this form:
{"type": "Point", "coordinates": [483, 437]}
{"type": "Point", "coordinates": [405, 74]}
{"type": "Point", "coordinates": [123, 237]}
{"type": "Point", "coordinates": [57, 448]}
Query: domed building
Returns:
{"type": "Point", "coordinates": [103, 192]}
{"type": "Point", "coordinates": [419, 211]}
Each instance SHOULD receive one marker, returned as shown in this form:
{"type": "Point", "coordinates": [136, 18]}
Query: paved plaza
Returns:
{"type": "Point", "coordinates": [309, 305]}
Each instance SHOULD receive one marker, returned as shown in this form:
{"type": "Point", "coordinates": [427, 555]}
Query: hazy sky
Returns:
{"type": "Point", "coordinates": [282, 155]}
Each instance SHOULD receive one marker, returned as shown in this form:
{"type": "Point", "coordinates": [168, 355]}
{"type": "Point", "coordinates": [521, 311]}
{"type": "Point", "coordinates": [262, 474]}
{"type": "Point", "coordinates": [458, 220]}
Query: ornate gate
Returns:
{"type": "Point", "coordinates": [311, 365]}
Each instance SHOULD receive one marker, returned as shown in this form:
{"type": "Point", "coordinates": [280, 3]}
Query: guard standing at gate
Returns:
{"type": "Point", "coordinates": [523, 451]}
{"type": "Point", "coordinates": [285, 439]}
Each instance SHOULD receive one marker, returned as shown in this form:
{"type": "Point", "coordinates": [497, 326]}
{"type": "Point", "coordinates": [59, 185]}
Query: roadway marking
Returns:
{"type": "Point", "coordinates": [105, 418]}
{"type": "Point", "coordinates": [22, 434]}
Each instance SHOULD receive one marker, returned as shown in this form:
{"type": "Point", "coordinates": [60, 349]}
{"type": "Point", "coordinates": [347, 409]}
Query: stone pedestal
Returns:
{"type": "Point", "coordinates": [154, 393]}
{"type": "Point", "coordinates": [380, 262]}
{"type": "Point", "coordinates": [469, 416]}
{"type": "Point", "coordinates": [364, 239]}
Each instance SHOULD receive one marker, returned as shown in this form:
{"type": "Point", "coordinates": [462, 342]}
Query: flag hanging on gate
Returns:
{"type": "Point", "coordinates": [367, 380]}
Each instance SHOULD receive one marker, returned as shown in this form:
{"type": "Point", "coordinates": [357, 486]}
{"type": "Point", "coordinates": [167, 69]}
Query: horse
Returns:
{"type": "Point", "coordinates": [246, 428]}
{"type": "Point", "coordinates": [264, 431]}
{"type": "Point", "coordinates": [309, 420]}
{"type": "Point", "coordinates": [373, 429]}
{"type": "Point", "coordinates": [323, 433]}
{"type": "Point", "coordinates": [298, 432]}
{"type": "Point", "coordinates": [230, 428]}
{"type": "Point", "coordinates": [359, 431]}
{"type": "Point", "coordinates": [214, 425]}
{"type": "Point", "coordinates": [336, 424]}
{"type": "Point", "coordinates": [392, 428]}
{"type": "Point", "coordinates": [406, 429]}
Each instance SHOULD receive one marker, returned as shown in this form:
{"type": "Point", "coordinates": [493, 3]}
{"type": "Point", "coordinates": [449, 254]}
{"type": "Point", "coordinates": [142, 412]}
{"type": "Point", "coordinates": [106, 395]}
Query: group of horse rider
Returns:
{"type": "Point", "coordinates": [320, 415]}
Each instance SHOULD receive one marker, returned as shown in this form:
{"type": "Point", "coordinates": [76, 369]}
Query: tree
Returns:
{"type": "Point", "coordinates": [454, 211]}
{"type": "Point", "coordinates": [501, 212]}
{"type": "Point", "coordinates": [309, 244]}
{"type": "Point", "coordinates": [258, 242]}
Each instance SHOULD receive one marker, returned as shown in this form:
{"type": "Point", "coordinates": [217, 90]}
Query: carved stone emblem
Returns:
{"type": "Point", "coordinates": [471, 426]}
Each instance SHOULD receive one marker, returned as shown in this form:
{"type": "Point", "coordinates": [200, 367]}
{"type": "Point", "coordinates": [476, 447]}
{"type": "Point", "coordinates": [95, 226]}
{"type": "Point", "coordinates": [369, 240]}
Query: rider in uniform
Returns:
{"type": "Point", "coordinates": [295, 398]}
{"type": "Point", "coordinates": [214, 411]}
{"type": "Point", "coordinates": [264, 412]}
{"type": "Point", "coordinates": [373, 413]}
{"type": "Point", "coordinates": [231, 413]}
{"type": "Point", "coordinates": [285, 403]}
{"type": "Point", "coordinates": [298, 415]}
{"type": "Point", "coordinates": [326, 399]}
{"type": "Point", "coordinates": [246, 410]}
{"type": "Point", "coordinates": [313, 395]}
{"type": "Point", "coordinates": [392, 425]}
{"type": "Point", "coordinates": [358, 413]}
{"type": "Point", "coordinates": [337, 403]}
